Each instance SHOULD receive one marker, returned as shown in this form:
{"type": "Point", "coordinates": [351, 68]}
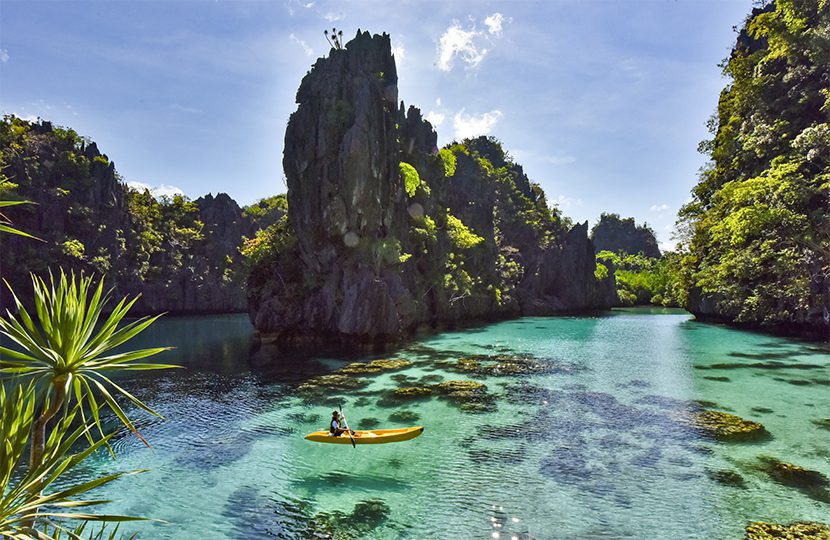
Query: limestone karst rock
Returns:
{"type": "Point", "coordinates": [387, 234]}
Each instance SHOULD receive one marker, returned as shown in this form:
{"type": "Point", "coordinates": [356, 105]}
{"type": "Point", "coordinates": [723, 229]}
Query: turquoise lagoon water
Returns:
{"type": "Point", "coordinates": [591, 449]}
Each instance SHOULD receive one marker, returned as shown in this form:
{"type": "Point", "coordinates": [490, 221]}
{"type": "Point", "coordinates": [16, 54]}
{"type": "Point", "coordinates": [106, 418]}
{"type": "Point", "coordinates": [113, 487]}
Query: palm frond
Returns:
{"type": "Point", "coordinates": [69, 342]}
{"type": "Point", "coordinates": [28, 496]}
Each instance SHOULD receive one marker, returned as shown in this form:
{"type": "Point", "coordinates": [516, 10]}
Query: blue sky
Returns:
{"type": "Point", "coordinates": [603, 102]}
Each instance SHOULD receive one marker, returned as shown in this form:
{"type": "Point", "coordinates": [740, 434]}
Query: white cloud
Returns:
{"type": "Point", "coordinates": [164, 190]}
{"type": "Point", "coordinates": [457, 42]}
{"type": "Point", "coordinates": [494, 23]}
{"type": "Point", "coordinates": [301, 43]}
{"type": "Point", "coordinates": [23, 116]}
{"type": "Point", "coordinates": [564, 202]}
{"type": "Point", "coordinates": [469, 45]}
{"type": "Point", "coordinates": [4, 55]}
{"type": "Point", "coordinates": [470, 125]}
{"type": "Point", "coordinates": [666, 246]}
{"type": "Point", "coordinates": [438, 101]}
{"type": "Point", "coordinates": [400, 53]}
{"type": "Point", "coordinates": [561, 160]}
{"type": "Point", "coordinates": [659, 207]}
{"type": "Point", "coordinates": [333, 17]}
{"type": "Point", "coordinates": [435, 118]}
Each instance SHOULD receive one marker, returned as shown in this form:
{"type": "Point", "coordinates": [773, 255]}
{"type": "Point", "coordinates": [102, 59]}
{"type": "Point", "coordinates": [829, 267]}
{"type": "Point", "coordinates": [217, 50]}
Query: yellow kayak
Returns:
{"type": "Point", "coordinates": [373, 436]}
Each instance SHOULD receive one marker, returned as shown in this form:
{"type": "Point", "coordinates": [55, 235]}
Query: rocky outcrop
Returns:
{"type": "Point", "coordinates": [181, 256]}
{"type": "Point", "coordinates": [386, 234]}
{"type": "Point", "coordinates": [615, 234]}
{"type": "Point", "coordinates": [563, 278]}
{"type": "Point", "coordinates": [803, 530]}
{"type": "Point", "coordinates": [748, 264]}
{"type": "Point", "coordinates": [213, 280]}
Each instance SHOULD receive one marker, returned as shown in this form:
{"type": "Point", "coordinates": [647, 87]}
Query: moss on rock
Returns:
{"type": "Point", "coordinates": [803, 530]}
{"type": "Point", "coordinates": [468, 396]}
{"type": "Point", "coordinates": [727, 427]}
{"type": "Point", "coordinates": [324, 384]}
{"type": "Point", "coordinates": [510, 364]}
{"type": "Point", "coordinates": [375, 367]}
{"type": "Point", "coordinates": [412, 392]}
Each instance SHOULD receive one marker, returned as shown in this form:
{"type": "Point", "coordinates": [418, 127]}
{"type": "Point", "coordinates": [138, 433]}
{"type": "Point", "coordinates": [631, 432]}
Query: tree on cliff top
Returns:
{"type": "Point", "coordinates": [615, 234]}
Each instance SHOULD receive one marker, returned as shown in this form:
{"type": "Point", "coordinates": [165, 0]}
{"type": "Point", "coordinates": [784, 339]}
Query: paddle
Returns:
{"type": "Point", "coordinates": [345, 423]}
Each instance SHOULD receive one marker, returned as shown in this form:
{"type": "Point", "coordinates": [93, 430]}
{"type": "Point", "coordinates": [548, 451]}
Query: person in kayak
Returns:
{"type": "Point", "coordinates": [335, 428]}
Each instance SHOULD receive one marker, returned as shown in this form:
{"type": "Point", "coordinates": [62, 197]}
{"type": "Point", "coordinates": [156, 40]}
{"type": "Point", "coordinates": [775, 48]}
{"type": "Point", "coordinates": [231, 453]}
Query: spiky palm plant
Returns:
{"type": "Point", "coordinates": [26, 496]}
{"type": "Point", "coordinates": [67, 353]}
{"type": "Point", "coordinates": [5, 223]}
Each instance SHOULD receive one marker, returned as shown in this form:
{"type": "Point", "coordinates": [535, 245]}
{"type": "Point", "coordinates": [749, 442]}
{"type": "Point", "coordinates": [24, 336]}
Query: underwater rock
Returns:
{"type": "Point", "coordinates": [726, 427]}
{"type": "Point", "coordinates": [369, 514]}
{"type": "Point", "coordinates": [324, 385]}
{"type": "Point", "coordinates": [461, 390]}
{"type": "Point", "coordinates": [762, 410]}
{"type": "Point", "coordinates": [812, 483]}
{"type": "Point", "coordinates": [795, 382]}
{"type": "Point", "coordinates": [510, 364]}
{"type": "Point", "coordinates": [404, 417]}
{"type": "Point", "coordinates": [468, 396]}
{"type": "Point", "coordinates": [762, 365]}
{"type": "Point", "coordinates": [720, 379]}
{"type": "Point", "coordinates": [412, 392]}
{"type": "Point", "coordinates": [824, 423]}
{"type": "Point", "coordinates": [365, 517]}
{"type": "Point", "coordinates": [367, 423]}
{"type": "Point", "coordinates": [430, 379]}
{"type": "Point", "coordinates": [303, 418]}
{"type": "Point", "coordinates": [374, 367]}
{"type": "Point", "coordinates": [726, 477]}
{"type": "Point", "coordinates": [803, 530]}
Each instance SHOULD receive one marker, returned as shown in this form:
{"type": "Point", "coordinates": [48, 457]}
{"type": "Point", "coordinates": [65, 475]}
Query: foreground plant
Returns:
{"type": "Point", "coordinates": [27, 496]}
{"type": "Point", "coordinates": [65, 355]}
{"type": "Point", "coordinates": [5, 223]}
{"type": "Point", "coordinates": [63, 358]}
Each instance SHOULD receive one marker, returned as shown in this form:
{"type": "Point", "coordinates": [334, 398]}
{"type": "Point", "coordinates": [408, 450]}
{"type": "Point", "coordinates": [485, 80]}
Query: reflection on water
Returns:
{"type": "Point", "coordinates": [578, 436]}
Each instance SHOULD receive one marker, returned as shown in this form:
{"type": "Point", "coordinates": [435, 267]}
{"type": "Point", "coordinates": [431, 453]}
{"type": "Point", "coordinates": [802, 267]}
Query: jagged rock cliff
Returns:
{"type": "Point", "coordinates": [181, 256]}
{"type": "Point", "coordinates": [759, 255]}
{"type": "Point", "coordinates": [386, 234]}
{"type": "Point", "coordinates": [615, 234]}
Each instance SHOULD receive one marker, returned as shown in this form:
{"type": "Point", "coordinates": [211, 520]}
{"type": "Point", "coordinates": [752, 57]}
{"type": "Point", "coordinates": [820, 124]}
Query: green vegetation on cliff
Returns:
{"type": "Point", "coordinates": [758, 225]}
{"type": "Point", "coordinates": [646, 280]}
{"type": "Point", "coordinates": [615, 234]}
{"type": "Point", "coordinates": [181, 255]}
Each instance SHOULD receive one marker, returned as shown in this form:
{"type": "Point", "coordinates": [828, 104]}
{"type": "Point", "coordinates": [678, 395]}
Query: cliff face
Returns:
{"type": "Point", "coordinates": [760, 252]}
{"type": "Point", "coordinates": [181, 256]}
{"type": "Point", "coordinates": [615, 234]}
{"type": "Point", "coordinates": [386, 234]}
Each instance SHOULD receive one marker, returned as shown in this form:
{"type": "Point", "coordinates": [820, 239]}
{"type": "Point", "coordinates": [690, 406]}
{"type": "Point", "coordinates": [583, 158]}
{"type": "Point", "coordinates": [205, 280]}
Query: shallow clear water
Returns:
{"type": "Point", "coordinates": [591, 450]}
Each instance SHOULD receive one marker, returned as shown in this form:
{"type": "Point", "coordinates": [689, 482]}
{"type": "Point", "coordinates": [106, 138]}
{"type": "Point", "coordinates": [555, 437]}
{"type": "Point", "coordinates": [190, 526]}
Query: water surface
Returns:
{"type": "Point", "coordinates": [590, 449]}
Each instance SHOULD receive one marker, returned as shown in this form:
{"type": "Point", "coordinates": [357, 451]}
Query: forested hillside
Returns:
{"type": "Point", "coordinates": [181, 255]}
{"type": "Point", "coordinates": [759, 224]}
